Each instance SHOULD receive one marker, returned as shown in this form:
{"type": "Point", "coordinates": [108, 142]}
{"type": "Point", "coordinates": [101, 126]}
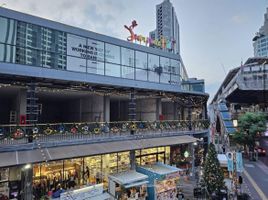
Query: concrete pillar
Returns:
{"type": "Point", "coordinates": [148, 109]}
{"type": "Point", "coordinates": [106, 108]}
{"type": "Point", "coordinates": [170, 110]}
{"type": "Point", "coordinates": [95, 108]}
{"type": "Point", "coordinates": [21, 103]}
{"type": "Point", "coordinates": [158, 108]}
{"type": "Point", "coordinates": [27, 182]}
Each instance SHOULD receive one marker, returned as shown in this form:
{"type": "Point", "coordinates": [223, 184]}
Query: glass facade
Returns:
{"type": "Point", "coordinates": [29, 44]}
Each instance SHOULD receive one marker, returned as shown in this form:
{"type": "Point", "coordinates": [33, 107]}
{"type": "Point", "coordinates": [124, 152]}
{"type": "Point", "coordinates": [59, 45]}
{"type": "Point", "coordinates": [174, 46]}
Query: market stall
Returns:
{"type": "Point", "coordinates": [129, 185]}
{"type": "Point", "coordinates": [164, 180]}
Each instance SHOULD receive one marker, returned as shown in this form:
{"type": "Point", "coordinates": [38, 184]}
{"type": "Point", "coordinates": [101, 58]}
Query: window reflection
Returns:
{"type": "Point", "coordinates": [141, 60]}
{"type": "Point", "coordinates": [141, 75]}
{"type": "Point", "coordinates": [165, 64]}
{"type": "Point", "coordinates": [165, 78]}
{"type": "Point", "coordinates": [153, 76]}
{"type": "Point", "coordinates": [127, 56]}
{"type": "Point", "coordinates": [112, 53]}
{"type": "Point", "coordinates": [8, 31]}
{"type": "Point", "coordinates": [153, 62]}
{"type": "Point", "coordinates": [112, 70]}
{"type": "Point", "coordinates": [175, 66]}
{"type": "Point", "coordinates": [7, 53]}
{"type": "Point", "coordinates": [128, 72]}
{"type": "Point", "coordinates": [95, 67]}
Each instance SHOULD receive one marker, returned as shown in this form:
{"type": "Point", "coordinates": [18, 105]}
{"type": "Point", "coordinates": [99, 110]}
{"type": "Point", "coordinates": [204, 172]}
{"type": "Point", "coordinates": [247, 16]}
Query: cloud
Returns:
{"type": "Point", "coordinates": [97, 16]}
{"type": "Point", "coordinates": [239, 19]}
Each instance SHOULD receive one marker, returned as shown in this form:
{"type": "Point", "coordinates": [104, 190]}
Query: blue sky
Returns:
{"type": "Point", "coordinates": [216, 35]}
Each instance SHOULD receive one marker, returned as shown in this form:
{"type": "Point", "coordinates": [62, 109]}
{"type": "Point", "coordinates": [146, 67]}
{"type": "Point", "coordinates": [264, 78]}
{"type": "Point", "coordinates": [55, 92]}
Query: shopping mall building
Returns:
{"type": "Point", "coordinates": [77, 106]}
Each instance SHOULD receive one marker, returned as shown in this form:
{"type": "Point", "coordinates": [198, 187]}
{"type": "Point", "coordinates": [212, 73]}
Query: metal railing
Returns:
{"type": "Point", "coordinates": [93, 131]}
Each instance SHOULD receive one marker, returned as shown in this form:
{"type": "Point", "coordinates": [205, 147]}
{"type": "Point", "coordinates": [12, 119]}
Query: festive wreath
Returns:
{"type": "Point", "coordinates": [96, 130]}
{"type": "Point", "coordinates": [133, 127]}
{"type": "Point", "coordinates": [35, 130]}
{"type": "Point", "coordinates": [85, 129]}
{"type": "Point", "coordinates": [74, 130]}
{"type": "Point", "coordinates": [48, 131]}
{"type": "Point", "coordinates": [18, 134]}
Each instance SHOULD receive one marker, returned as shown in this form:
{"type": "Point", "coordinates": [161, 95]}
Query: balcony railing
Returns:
{"type": "Point", "coordinates": [79, 133]}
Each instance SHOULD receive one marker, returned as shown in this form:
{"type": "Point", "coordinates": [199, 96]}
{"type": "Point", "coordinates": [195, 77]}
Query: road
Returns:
{"type": "Point", "coordinates": [256, 180]}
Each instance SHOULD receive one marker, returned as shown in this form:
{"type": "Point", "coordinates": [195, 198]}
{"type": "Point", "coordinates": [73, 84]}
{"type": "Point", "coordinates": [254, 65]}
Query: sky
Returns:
{"type": "Point", "coordinates": [215, 35]}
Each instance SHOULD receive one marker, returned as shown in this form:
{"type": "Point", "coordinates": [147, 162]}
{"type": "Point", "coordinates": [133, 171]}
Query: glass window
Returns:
{"type": "Point", "coordinates": [8, 31]}
{"type": "Point", "coordinates": [123, 161]}
{"type": "Point", "coordinates": [95, 67]}
{"type": "Point", "coordinates": [51, 174]}
{"type": "Point", "coordinates": [95, 50]}
{"type": "Point", "coordinates": [153, 76]}
{"type": "Point", "coordinates": [141, 75]}
{"type": "Point", "coordinates": [175, 66]}
{"type": "Point", "coordinates": [127, 57]}
{"type": "Point", "coordinates": [109, 166]}
{"type": "Point", "coordinates": [165, 78]}
{"type": "Point", "coordinates": [112, 53]}
{"type": "Point", "coordinates": [76, 46]}
{"type": "Point", "coordinates": [164, 63]}
{"type": "Point", "coordinates": [92, 170]}
{"type": "Point", "coordinates": [76, 64]}
{"type": "Point", "coordinates": [175, 79]}
{"type": "Point", "coordinates": [73, 172]}
{"type": "Point", "coordinates": [112, 70]}
{"type": "Point", "coordinates": [141, 60]}
{"type": "Point", "coordinates": [7, 53]}
{"type": "Point", "coordinates": [128, 72]}
{"type": "Point", "coordinates": [153, 62]}
{"type": "Point", "coordinates": [53, 60]}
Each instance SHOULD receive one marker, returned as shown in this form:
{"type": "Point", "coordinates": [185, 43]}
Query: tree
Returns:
{"type": "Point", "coordinates": [213, 178]}
{"type": "Point", "coordinates": [250, 125]}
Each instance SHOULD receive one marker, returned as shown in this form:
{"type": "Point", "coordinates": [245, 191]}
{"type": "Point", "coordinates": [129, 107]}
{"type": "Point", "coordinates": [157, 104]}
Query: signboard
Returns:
{"type": "Point", "coordinates": [80, 49]}
{"type": "Point", "coordinates": [230, 162]}
{"type": "Point", "coordinates": [239, 162]}
{"type": "Point", "coordinates": [163, 42]}
{"type": "Point", "coordinates": [83, 193]}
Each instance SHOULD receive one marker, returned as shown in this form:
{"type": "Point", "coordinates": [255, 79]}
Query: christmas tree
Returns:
{"type": "Point", "coordinates": [213, 179]}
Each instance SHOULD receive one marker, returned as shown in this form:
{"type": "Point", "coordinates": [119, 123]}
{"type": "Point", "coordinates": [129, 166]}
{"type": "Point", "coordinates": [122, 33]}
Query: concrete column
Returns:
{"type": "Point", "coordinates": [27, 182]}
{"type": "Point", "coordinates": [147, 109]}
{"type": "Point", "coordinates": [106, 108]}
{"type": "Point", "coordinates": [169, 110]}
{"type": "Point", "coordinates": [158, 108]}
{"type": "Point", "coordinates": [92, 108]}
{"type": "Point", "coordinates": [21, 103]}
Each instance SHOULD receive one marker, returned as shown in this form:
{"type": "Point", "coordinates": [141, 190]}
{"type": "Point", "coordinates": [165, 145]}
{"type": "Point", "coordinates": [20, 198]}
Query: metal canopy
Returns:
{"type": "Point", "coordinates": [67, 152]}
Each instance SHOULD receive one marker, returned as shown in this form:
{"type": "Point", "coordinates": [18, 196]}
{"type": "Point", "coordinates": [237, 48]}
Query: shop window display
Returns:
{"type": "Point", "coordinates": [180, 156]}
{"type": "Point", "coordinates": [4, 177]}
{"type": "Point", "coordinates": [123, 161]}
{"type": "Point", "coordinates": [92, 170]}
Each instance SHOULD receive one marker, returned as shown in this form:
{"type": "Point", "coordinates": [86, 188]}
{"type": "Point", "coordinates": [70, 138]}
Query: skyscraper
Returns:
{"type": "Point", "coordinates": [167, 24]}
{"type": "Point", "coordinates": [260, 41]}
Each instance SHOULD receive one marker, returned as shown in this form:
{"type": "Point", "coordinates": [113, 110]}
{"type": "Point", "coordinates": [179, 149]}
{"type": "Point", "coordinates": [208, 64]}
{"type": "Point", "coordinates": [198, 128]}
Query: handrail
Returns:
{"type": "Point", "coordinates": [12, 132]}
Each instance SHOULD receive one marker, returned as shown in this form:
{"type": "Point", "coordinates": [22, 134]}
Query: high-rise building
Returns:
{"type": "Point", "coordinates": [167, 24]}
{"type": "Point", "coordinates": [260, 41]}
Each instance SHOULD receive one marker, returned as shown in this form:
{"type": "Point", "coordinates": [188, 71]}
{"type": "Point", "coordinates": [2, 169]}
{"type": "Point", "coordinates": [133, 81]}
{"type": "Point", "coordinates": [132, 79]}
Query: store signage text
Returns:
{"type": "Point", "coordinates": [163, 42]}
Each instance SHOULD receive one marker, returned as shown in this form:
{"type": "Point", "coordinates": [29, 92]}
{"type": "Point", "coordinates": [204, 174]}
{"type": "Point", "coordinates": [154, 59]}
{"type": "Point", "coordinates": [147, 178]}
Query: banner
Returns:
{"type": "Point", "coordinates": [239, 162]}
{"type": "Point", "coordinates": [230, 162]}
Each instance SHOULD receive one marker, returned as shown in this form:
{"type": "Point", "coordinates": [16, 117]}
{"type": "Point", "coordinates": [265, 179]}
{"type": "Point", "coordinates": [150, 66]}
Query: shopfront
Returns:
{"type": "Point", "coordinates": [129, 185]}
{"type": "Point", "coordinates": [153, 155]}
{"type": "Point", "coordinates": [163, 180]}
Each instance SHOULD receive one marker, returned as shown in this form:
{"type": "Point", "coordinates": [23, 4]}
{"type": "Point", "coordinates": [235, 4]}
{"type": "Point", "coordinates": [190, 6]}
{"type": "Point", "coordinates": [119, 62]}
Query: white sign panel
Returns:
{"type": "Point", "coordinates": [76, 46]}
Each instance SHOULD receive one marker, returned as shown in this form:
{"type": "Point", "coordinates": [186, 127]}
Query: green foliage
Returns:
{"type": "Point", "coordinates": [213, 178]}
{"type": "Point", "coordinates": [250, 124]}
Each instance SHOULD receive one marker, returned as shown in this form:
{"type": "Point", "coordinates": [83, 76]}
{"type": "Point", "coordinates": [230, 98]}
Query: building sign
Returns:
{"type": "Point", "coordinates": [79, 49]}
{"type": "Point", "coordinates": [163, 42]}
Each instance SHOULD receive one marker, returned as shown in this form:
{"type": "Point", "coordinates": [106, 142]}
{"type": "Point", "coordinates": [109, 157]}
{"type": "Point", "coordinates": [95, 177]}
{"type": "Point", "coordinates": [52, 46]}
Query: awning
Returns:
{"type": "Point", "coordinates": [222, 160]}
{"type": "Point", "coordinates": [75, 151]}
{"type": "Point", "coordinates": [128, 177]}
{"type": "Point", "coordinates": [137, 184]}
